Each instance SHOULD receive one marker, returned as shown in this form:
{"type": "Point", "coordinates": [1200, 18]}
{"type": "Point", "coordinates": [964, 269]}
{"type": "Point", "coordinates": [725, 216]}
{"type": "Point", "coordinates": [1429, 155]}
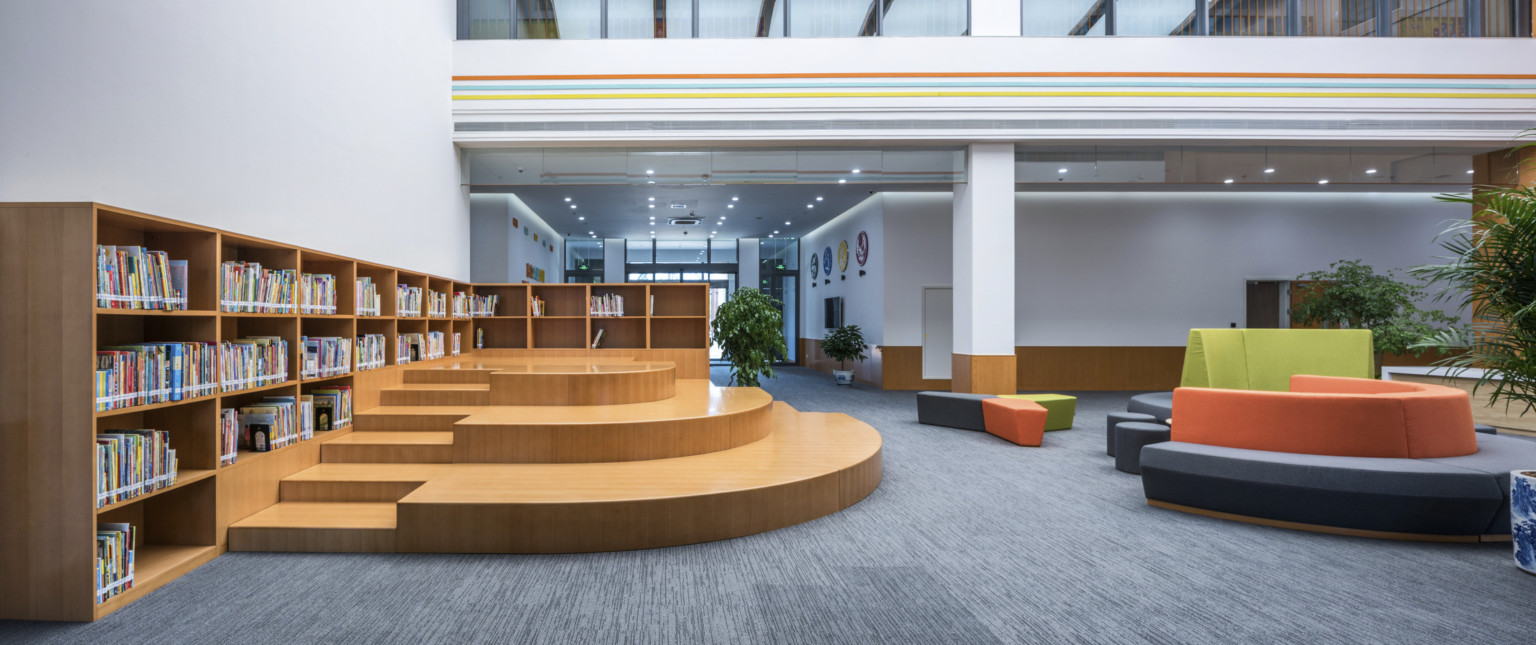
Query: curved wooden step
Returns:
{"type": "Point", "coordinates": [389, 448]}
{"type": "Point", "coordinates": [436, 394]}
{"type": "Point", "coordinates": [317, 528]}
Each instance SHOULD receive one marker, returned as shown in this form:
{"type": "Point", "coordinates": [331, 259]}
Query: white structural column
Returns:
{"type": "Point", "coordinates": [984, 272]}
{"type": "Point", "coordinates": [995, 18]}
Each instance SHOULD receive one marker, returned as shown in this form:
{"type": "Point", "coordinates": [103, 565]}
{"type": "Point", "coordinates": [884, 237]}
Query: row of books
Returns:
{"type": "Point", "coordinates": [436, 345]}
{"type": "Point", "coordinates": [466, 305]}
{"type": "Point", "coordinates": [130, 463]}
{"type": "Point", "coordinates": [325, 356]}
{"type": "Point", "coordinates": [276, 422]}
{"type": "Point", "coordinates": [370, 352]}
{"type": "Point", "coordinates": [535, 306]}
{"type": "Point", "coordinates": [148, 373]}
{"type": "Point", "coordinates": [115, 546]}
{"type": "Point", "coordinates": [367, 298]}
{"type": "Point", "coordinates": [420, 347]}
{"type": "Point", "coordinates": [455, 348]}
{"type": "Point", "coordinates": [229, 436]}
{"type": "Point", "coordinates": [407, 300]}
{"type": "Point", "coordinates": [437, 304]}
{"type": "Point", "coordinates": [317, 293]}
{"type": "Point", "coordinates": [133, 277]}
{"type": "Point", "coordinates": [332, 408]}
{"type": "Point", "coordinates": [253, 362]}
{"type": "Point", "coordinates": [246, 287]}
{"type": "Point", "coordinates": [607, 305]}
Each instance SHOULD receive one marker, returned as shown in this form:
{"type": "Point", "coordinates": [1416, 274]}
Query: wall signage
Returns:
{"type": "Point", "coordinates": [861, 248]}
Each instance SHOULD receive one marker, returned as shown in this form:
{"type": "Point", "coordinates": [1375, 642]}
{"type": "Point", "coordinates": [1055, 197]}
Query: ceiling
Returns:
{"type": "Point", "coordinates": [750, 210]}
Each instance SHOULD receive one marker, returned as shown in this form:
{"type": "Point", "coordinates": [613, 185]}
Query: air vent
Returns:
{"type": "Point", "coordinates": [684, 221]}
{"type": "Point", "coordinates": [679, 205]}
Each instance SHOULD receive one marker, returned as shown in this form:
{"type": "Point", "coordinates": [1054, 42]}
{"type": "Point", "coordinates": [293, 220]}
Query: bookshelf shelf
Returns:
{"type": "Point", "coordinates": [183, 478]}
{"type": "Point", "coordinates": [50, 265]}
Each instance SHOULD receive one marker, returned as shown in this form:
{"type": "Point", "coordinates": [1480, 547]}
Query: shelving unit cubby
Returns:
{"type": "Point", "coordinates": [48, 422]}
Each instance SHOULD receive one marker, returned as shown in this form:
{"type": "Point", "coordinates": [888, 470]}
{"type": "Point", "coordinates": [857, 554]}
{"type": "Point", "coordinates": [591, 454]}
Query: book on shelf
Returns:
{"type": "Point", "coordinates": [134, 277]}
{"type": "Point", "coordinates": [479, 338]}
{"type": "Point", "coordinates": [437, 304]}
{"type": "Point", "coordinates": [367, 298]}
{"type": "Point", "coordinates": [407, 300]}
{"type": "Point", "coordinates": [332, 408]}
{"type": "Point", "coordinates": [435, 345]}
{"type": "Point", "coordinates": [609, 305]}
{"type": "Point", "coordinates": [535, 306]}
{"type": "Point", "coordinates": [116, 543]}
{"type": "Point", "coordinates": [403, 349]}
{"type": "Point", "coordinates": [473, 306]}
{"type": "Point", "coordinates": [275, 422]}
{"type": "Point", "coordinates": [247, 287]}
{"type": "Point", "coordinates": [253, 362]}
{"type": "Point", "coordinates": [370, 352]}
{"type": "Point", "coordinates": [414, 346]}
{"type": "Point", "coordinates": [325, 356]}
{"type": "Point", "coordinates": [317, 293]}
{"type": "Point", "coordinates": [597, 339]}
{"type": "Point", "coordinates": [149, 373]}
{"type": "Point", "coordinates": [130, 463]}
{"type": "Point", "coordinates": [651, 311]}
{"type": "Point", "coordinates": [229, 436]}
{"type": "Point", "coordinates": [455, 343]}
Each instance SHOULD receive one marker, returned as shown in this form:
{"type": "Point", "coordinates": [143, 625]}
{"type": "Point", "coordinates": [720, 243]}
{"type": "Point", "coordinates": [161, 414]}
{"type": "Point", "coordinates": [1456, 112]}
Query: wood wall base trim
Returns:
{"type": "Point", "coordinates": [867, 372]}
{"type": "Point", "coordinates": [984, 374]}
{"type": "Point", "coordinates": [1331, 530]}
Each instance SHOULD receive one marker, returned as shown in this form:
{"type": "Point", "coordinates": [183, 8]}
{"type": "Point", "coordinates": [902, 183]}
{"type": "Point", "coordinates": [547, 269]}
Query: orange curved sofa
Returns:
{"type": "Point", "coordinates": [1325, 415]}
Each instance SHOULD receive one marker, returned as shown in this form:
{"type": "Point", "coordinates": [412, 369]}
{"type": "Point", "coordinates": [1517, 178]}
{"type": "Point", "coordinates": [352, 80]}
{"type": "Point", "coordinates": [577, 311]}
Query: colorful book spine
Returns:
{"type": "Point", "coordinates": [252, 362]}
{"type": "Point", "coordinates": [456, 344]}
{"type": "Point", "coordinates": [437, 304]}
{"type": "Point", "coordinates": [370, 352]}
{"type": "Point", "coordinates": [325, 356]}
{"type": "Point", "coordinates": [332, 407]}
{"type": "Point", "coordinates": [271, 423]}
{"type": "Point", "coordinates": [246, 287]}
{"type": "Point", "coordinates": [407, 300]}
{"type": "Point", "coordinates": [607, 305]}
{"type": "Point", "coordinates": [367, 298]}
{"type": "Point", "coordinates": [115, 547]}
{"type": "Point", "coordinates": [403, 349]}
{"type": "Point", "coordinates": [229, 436]}
{"type": "Point", "coordinates": [133, 277]}
{"type": "Point", "coordinates": [436, 345]}
{"type": "Point", "coordinates": [130, 463]}
{"type": "Point", "coordinates": [148, 373]}
{"type": "Point", "coordinates": [535, 306]}
{"type": "Point", "coordinates": [317, 294]}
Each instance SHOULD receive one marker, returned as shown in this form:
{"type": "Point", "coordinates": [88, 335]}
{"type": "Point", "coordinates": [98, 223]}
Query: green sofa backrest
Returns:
{"type": "Point", "coordinates": [1266, 359]}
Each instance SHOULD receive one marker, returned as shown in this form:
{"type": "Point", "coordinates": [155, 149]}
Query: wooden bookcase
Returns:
{"type": "Point", "coordinates": [47, 417]}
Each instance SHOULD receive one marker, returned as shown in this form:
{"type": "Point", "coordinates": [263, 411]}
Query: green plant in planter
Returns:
{"type": "Point", "coordinates": [750, 330]}
{"type": "Point", "coordinates": [1491, 272]}
{"type": "Point", "coordinates": [1352, 295]}
{"type": "Point", "coordinates": [844, 344]}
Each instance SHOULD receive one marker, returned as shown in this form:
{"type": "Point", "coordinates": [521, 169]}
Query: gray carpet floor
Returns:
{"type": "Point", "coordinates": [969, 539]}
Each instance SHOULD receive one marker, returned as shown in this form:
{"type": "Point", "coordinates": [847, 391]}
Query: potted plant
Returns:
{"type": "Point", "coordinates": [844, 344]}
{"type": "Point", "coordinates": [750, 331]}
{"type": "Point", "coordinates": [1351, 295]}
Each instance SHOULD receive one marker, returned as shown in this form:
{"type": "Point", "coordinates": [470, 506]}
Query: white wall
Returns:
{"type": "Point", "coordinates": [613, 260]}
{"type": "Point", "coordinates": [1145, 268]}
{"type": "Point", "coordinates": [509, 250]}
{"type": "Point", "coordinates": [323, 124]}
{"type": "Point", "coordinates": [916, 253]}
{"type": "Point", "coordinates": [863, 298]}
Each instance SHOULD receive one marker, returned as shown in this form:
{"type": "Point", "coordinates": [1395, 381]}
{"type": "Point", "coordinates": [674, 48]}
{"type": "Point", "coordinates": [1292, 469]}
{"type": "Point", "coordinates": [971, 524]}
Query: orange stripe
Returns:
{"type": "Point", "coordinates": [599, 77]}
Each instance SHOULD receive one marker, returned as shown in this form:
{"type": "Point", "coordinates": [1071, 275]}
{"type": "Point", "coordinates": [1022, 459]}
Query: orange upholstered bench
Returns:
{"type": "Point", "coordinates": [1017, 420]}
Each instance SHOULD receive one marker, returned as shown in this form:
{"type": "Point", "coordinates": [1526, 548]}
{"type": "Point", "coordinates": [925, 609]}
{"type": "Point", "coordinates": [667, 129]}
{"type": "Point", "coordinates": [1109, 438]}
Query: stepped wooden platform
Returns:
{"type": "Point", "coordinates": [426, 472]}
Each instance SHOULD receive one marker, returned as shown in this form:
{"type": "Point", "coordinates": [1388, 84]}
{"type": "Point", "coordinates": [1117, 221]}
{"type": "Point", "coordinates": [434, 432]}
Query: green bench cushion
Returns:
{"type": "Point", "coordinates": [1059, 408]}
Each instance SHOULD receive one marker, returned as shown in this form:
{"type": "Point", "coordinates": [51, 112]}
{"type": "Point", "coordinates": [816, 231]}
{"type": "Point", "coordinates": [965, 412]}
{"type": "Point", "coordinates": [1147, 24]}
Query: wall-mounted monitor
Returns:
{"type": "Point", "coordinates": [834, 312]}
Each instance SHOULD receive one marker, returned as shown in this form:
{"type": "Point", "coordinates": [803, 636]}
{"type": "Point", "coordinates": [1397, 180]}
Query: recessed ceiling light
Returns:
{"type": "Point", "coordinates": [842, 181]}
{"type": "Point", "coordinates": [730, 206]}
{"type": "Point", "coordinates": [1269, 171]}
{"type": "Point", "coordinates": [818, 198]}
{"type": "Point", "coordinates": [856, 171]}
{"type": "Point", "coordinates": [591, 232]}
{"type": "Point", "coordinates": [594, 236]}
{"type": "Point", "coordinates": [1469, 172]}
{"type": "Point", "coordinates": [651, 205]}
{"type": "Point", "coordinates": [810, 206]}
{"type": "Point", "coordinates": [567, 199]}
{"type": "Point", "coordinates": [573, 207]}
{"type": "Point", "coordinates": [648, 171]}
{"type": "Point", "coordinates": [1061, 170]}
{"type": "Point", "coordinates": [651, 198]}
{"type": "Point", "coordinates": [735, 199]}
{"type": "Point", "coordinates": [775, 232]}
{"type": "Point", "coordinates": [653, 223]}
{"type": "Point", "coordinates": [1370, 171]}
{"type": "Point", "coordinates": [786, 223]}
{"type": "Point", "coordinates": [1322, 181]}
{"type": "Point", "coordinates": [772, 236]}
{"type": "Point", "coordinates": [581, 218]}
{"type": "Point", "coordinates": [651, 181]}
{"type": "Point", "coordinates": [713, 232]}
{"type": "Point", "coordinates": [1226, 181]}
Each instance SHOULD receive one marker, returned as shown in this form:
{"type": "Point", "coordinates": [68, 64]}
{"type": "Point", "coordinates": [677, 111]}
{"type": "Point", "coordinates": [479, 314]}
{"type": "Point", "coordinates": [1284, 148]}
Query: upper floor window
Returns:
{"type": "Point", "coordinates": [1409, 18]}
{"type": "Point", "coordinates": [584, 19]}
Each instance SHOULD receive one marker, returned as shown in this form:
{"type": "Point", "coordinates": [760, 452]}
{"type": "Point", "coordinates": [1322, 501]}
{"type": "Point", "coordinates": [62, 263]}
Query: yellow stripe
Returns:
{"type": "Point", "coordinates": [843, 95]}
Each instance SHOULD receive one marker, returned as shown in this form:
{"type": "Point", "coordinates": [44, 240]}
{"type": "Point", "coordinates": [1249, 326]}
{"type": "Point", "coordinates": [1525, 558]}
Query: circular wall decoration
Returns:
{"type": "Point", "coordinates": [842, 255]}
{"type": "Point", "coordinates": [515, 225]}
{"type": "Point", "coordinates": [535, 237]}
{"type": "Point", "coordinates": [525, 230]}
{"type": "Point", "coordinates": [814, 265]}
{"type": "Point", "coordinates": [861, 248]}
{"type": "Point", "coordinates": [826, 261]}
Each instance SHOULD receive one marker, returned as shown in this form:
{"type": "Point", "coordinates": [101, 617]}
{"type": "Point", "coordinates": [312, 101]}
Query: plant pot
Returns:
{"type": "Point", "coordinates": [843, 377]}
{"type": "Point", "coordinates": [1522, 518]}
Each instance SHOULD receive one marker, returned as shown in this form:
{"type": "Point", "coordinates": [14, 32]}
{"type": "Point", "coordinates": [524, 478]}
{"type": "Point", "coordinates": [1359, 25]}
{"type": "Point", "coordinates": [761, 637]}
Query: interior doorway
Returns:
{"type": "Point", "coordinates": [938, 332]}
{"type": "Point", "coordinates": [1268, 304]}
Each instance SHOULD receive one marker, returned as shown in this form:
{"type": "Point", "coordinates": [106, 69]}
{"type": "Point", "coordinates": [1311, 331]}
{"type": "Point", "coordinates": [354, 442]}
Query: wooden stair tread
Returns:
{"type": "Point", "coordinates": [467, 387]}
{"type": "Point", "coordinates": [395, 438]}
{"type": "Point", "coordinates": [343, 472]}
{"type": "Point", "coordinates": [322, 515]}
{"type": "Point", "coordinates": [802, 446]}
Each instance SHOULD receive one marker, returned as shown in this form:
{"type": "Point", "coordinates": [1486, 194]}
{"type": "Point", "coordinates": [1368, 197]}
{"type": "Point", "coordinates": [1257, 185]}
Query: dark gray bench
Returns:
{"type": "Point", "coordinates": [1157, 404]}
{"type": "Point", "coordinates": [1453, 496]}
{"type": "Point", "coordinates": [952, 410]}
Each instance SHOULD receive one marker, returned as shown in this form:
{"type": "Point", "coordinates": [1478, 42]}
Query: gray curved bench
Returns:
{"type": "Point", "coordinates": [1453, 497]}
{"type": "Point", "coordinates": [1157, 404]}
